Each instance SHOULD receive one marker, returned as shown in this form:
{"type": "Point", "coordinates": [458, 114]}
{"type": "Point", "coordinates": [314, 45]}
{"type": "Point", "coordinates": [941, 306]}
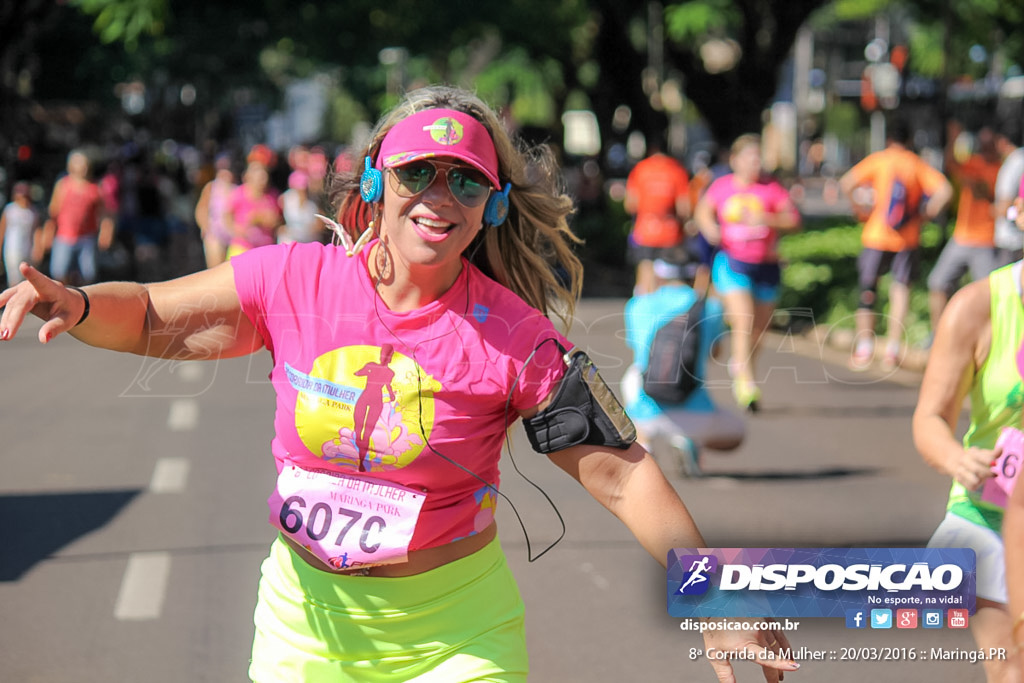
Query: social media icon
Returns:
{"type": "Point", "coordinates": [956, 618]}
{"type": "Point", "coordinates": [856, 618]}
{"type": "Point", "coordinates": [881, 618]}
{"type": "Point", "coordinates": [931, 618]}
{"type": "Point", "coordinates": [906, 618]}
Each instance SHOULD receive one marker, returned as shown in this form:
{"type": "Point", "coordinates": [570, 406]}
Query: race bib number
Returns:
{"type": "Point", "coordinates": [348, 522]}
{"type": "Point", "coordinates": [997, 489]}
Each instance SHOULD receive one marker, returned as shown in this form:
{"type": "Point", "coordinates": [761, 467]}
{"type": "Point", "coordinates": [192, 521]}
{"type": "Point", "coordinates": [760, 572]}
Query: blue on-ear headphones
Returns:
{"type": "Point", "coordinates": [496, 210]}
{"type": "Point", "coordinates": [371, 189]}
{"type": "Point", "coordinates": [371, 183]}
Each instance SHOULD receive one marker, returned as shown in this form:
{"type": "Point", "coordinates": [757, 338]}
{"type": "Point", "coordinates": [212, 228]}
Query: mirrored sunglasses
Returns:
{"type": "Point", "coordinates": [468, 186]}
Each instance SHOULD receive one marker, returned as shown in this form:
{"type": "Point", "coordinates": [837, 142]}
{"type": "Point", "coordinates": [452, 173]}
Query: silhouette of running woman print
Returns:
{"type": "Point", "coordinates": [370, 403]}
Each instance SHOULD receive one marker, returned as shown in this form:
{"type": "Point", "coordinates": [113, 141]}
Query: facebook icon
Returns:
{"type": "Point", "coordinates": [856, 618]}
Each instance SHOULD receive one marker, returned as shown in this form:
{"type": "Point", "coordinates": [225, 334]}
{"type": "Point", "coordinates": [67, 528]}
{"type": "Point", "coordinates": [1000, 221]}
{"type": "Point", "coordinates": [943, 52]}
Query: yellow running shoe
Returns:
{"type": "Point", "coordinates": [747, 394]}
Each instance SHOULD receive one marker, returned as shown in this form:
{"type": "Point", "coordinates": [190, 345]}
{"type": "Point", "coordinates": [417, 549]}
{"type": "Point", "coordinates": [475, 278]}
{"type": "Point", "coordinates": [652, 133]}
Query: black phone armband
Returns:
{"type": "Point", "coordinates": [583, 411]}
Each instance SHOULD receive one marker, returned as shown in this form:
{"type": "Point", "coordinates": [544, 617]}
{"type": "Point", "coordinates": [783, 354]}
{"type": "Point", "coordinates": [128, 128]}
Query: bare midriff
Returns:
{"type": "Point", "coordinates": [419, 561]}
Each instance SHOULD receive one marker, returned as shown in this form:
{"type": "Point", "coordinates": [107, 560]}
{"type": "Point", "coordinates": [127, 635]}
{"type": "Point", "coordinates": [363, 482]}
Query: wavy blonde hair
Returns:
{"type": "Point", "coordinates": [531, 253]}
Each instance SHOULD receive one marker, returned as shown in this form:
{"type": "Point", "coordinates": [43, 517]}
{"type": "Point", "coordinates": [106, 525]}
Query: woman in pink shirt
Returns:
{"type": "Point", "coordinates": [252, 216]}
{"type": "Point", "coordinates": [744, 213]}
{"type": "Point", "coordinates": [211, 210]}
{"type": "Point", "coordinates": [398, 367]}
{"type": "Point", "coordinates": [79, 222]}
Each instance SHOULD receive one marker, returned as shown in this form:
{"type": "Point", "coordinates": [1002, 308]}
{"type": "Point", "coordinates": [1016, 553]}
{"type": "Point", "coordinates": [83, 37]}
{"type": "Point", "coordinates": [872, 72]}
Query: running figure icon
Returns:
{"type": "Point", "coordinates": [697, 573]}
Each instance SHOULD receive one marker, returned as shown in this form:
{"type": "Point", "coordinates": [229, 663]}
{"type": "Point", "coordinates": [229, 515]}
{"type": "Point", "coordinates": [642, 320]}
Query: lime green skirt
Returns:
{"type": "Point", "coordinates": [458, 623]}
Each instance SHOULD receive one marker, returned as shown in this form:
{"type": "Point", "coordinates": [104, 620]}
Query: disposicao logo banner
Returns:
{"type": "Point", "coordinates": [816, 582]}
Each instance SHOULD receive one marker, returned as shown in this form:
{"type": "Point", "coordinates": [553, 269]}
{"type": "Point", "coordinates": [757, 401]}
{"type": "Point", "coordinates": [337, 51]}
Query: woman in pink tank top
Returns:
{"type": "Point", "coordinates": [743, 213]}
{"type": "Point", "coordinates": [211, 209]}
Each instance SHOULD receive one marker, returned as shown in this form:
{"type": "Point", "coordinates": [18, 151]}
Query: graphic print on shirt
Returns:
{"type": "Point", "coordinates": [360, 406]}
{"type": "Point", "coordinates": [745, 209]}
{"type": "Point", "coordinates": [487, 500]}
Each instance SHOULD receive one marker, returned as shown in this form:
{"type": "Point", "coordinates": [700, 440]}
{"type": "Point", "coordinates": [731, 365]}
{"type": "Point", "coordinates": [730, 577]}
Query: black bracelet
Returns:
{"type": "Point", "coordinates": [85, 297]}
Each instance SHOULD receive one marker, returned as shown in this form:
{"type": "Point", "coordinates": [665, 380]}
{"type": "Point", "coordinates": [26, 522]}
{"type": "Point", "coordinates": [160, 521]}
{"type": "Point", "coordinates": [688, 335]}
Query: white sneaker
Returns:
{"type": "Point", "coordinates": [891, 360]}
{"type": "Point", "coordinates": [676, 453]}
{"type": "Point", "coordinates": [688, 455]}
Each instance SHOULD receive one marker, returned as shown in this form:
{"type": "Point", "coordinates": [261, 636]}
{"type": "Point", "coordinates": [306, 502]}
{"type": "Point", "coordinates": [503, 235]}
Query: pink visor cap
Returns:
{"type": "Point", "coordinates": [440, 133]}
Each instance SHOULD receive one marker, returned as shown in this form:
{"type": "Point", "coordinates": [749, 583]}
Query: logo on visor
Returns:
{"type": "Point", "coordinates": [697, 580]}
{"type": "Point", "coordinates": [445, 131]}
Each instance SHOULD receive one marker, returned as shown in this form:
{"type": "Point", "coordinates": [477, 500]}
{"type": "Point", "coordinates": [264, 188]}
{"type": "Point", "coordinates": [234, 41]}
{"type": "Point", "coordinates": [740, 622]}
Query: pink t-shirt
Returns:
{"type": "Point", "coordinates": [361, 390]}
{"type": "Point", "coordinates": [740, 212]}
{"type": "Point", "coordinates": [220, 195]}
{"type": "Point", "coordinates": [242, 207]}
{"type": "Point", "coordinates": [79, 209]}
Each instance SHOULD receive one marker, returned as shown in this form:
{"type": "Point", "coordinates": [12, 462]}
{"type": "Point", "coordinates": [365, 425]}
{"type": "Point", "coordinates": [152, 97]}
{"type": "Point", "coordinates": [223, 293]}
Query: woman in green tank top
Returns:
{"type": "Point", "coordinates": [974, 354]}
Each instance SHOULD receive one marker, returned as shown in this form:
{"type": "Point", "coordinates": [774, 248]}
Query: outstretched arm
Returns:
{"type": "Point", "coordinates": [631, 485]}
{"type": "Point", "coordinates": [196, 317]}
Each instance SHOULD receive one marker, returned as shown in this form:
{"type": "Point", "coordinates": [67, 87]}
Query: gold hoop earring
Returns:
{"type": "Point", "coordinates": [382, 262]}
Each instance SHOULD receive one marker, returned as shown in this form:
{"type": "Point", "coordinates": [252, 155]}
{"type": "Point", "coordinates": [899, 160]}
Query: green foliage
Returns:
{"type": "Point", "coordinates": [859, 9]}
{"type": "Point", "coordinates": [525, 84]}
{"type": "Point", "coordinates": [125, 20]}
{"type": "Point", "coordinates": [943, 32]}
{"type": "Point", "coordinates": [691, 21]}
{"type": "Point", "coordinates": [820, 275]}
{"type": "Point", "coordinates": [926, 55]}
{"type": "Point", "coordinates": [843, 119]}
{"type": "Point", "coordinates": [343, 114]}
{"type": "Point", "coordinates": [940, 33]}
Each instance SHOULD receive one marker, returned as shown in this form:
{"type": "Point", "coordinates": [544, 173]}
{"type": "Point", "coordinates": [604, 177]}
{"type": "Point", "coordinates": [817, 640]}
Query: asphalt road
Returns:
{"type": "Point", "coordinates": [133, 518]}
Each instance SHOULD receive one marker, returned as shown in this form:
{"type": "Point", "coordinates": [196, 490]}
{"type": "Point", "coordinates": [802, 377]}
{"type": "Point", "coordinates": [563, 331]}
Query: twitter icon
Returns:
{"type": "Point", "coordinates": [881, 618]}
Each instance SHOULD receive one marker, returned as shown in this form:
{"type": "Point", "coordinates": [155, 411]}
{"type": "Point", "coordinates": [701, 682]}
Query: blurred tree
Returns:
{"type": "Point", "coordinates": [21, 24]}
{"type": "Point", "coordinates": [125, 20]}
{"type": "Point", "coordinates": [730, 53]}
{"type": "Point", "coordinates": [233, 44]}
{"type": "Point", "coordinates": [529, 56]}
{"type": "Point", "coordinates": [943, 33]}
{"type": "Point", "coordinates": [598, 49]}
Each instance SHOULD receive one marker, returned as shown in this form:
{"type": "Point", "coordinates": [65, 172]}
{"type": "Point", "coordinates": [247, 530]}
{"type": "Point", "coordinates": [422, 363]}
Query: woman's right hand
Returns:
{"type": "Point", "coordinates": [61, 308]}
{"type": "Point", "coordinates": [974, 465]}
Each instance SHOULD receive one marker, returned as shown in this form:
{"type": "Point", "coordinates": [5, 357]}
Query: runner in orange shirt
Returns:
{"type": "Point", "coordinates": [972, 247]}
{"type": "Point", "coordinates": [658, 195]}
{"type": "Point", "coordinates": [900, 183]}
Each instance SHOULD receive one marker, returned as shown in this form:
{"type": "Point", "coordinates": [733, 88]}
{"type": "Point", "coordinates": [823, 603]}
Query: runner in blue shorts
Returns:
{"type": "Point", "coordinates": [744, 212]}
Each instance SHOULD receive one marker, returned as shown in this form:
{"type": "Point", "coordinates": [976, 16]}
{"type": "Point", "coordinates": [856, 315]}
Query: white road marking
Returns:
{"type": "Point", "coordinates": [191, 370]}
{"type": "Point", "coordinates": [169, 476]}
{"type": "Point", "coordinates": [598, 580]}
{"type": "Point", "coordinates": [143, 587]}
{"type": "Point", "coordinates": [184, 415]}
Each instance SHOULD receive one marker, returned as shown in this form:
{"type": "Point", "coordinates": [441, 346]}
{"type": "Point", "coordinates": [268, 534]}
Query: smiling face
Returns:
{"type": "Point", "coordinates": [429, 230]}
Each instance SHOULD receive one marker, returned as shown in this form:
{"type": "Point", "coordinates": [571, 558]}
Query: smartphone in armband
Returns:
{"type": "Point", "coordinates": [583, 410]}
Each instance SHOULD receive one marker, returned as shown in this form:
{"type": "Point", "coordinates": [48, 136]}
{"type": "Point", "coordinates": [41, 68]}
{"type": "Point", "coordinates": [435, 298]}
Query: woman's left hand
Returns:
{"type": "Point", "coordinates": [769, 648]}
